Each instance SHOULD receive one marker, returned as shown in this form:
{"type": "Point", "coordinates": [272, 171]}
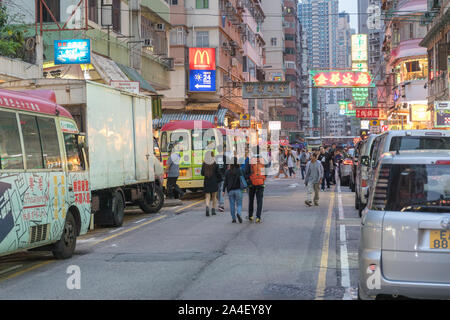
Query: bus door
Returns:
{"type": "Point", "coordinates": [181, 139]}
{"type": "Point", "coordinates": [78, 187]}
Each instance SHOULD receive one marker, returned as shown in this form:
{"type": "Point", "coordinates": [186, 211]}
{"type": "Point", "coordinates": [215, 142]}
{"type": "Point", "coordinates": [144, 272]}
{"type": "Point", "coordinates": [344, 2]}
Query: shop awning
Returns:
{"type": "Point", "coordinates": [207, 116]}
{"type": "Point", "coordinates": [135, 76]}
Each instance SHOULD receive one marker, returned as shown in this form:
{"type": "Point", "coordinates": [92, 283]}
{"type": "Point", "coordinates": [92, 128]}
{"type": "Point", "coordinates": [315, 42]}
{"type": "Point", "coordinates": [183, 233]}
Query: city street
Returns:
{"type": "Point", "coordinates": [295, 253]}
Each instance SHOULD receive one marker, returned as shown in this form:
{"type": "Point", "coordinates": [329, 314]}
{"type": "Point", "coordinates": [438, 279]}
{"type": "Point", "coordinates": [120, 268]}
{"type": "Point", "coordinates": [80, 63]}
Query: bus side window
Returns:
{"type": "Point", "coordinates": [33, 151]}
{"type": "Point", "coordinates": [41, 142]}
{"type": "Point", "coordinates": [75, 159]}
{"type": "Point", "coordinates": [10, 147]}
{"type": "Point", "coordinates": [50, 143]}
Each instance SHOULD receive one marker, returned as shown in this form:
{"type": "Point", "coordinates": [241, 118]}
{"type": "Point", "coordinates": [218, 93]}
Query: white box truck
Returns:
{"type": "Point", "coordinates": [123, 168]}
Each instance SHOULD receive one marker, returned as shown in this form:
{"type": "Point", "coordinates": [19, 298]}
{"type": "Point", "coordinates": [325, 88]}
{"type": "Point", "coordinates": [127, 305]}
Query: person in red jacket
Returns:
{"type": "Point", "coordinates": [256, 177]}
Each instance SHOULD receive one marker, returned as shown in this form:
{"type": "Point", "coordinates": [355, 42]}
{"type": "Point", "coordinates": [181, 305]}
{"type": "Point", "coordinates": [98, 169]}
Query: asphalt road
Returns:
{"type": "Point", "coordinates": [296, 252]}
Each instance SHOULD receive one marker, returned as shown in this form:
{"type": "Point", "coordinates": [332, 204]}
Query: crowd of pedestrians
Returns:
{"type": "Point", "coordinates": [317, 169]}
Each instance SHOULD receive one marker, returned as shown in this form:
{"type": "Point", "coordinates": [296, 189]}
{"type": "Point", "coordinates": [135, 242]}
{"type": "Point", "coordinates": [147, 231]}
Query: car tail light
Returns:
{"type": "Point", "coordinates": [443, 162]}
{"type": "Point", "coordinates": [165, 175]}
{"type": "Point", "coordinates": [373, 267]}
{"type": "Point", "coordinates": [350, 162]}
{"type": "Point", "coordinates": [364, 183]}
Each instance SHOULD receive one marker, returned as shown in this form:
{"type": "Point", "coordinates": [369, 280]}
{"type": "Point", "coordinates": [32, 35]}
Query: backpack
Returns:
{"type": "Point", "coordinates": [257, 176]}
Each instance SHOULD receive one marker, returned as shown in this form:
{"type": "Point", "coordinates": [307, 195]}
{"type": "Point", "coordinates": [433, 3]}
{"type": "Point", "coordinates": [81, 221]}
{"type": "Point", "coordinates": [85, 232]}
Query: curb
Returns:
{"type": "Point", "coordinates": [172, 203]}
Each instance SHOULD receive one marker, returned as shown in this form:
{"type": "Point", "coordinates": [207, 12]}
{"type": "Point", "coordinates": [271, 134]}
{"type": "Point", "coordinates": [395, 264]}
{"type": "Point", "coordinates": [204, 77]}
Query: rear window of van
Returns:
{"type": "Point", "coordinates": [419, 143]}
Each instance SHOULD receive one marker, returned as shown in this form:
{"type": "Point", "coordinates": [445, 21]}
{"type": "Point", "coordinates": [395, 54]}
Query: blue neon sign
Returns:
{"type": "Point", "coordinates": [202, 80]}
{"type": "Point", "coordinates": [73, 51]}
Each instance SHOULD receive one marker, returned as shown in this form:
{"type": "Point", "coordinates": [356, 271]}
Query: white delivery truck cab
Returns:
{"type": "Point", "coordinates": [118, 144]}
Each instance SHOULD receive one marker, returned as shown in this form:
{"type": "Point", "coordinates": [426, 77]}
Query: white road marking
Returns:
{"type": "Point", "coordinates": [295, 185]}
{"type": "Point", "coordinates": [115, 230]}
{"type": "Point", "coordinates": [345, 272]}
{"type": "Point", "coordinates": [11, 269]}
{"type": "Point", "coordinates": [141, 220]}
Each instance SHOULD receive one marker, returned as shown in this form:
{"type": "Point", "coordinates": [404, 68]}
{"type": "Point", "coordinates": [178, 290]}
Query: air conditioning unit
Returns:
{"type": "Point", "coordinates": [160, 27]}
{"type": "Point", "coordinates": [148, 42]}
{"type": "Point", "coordinates": [169, 62]}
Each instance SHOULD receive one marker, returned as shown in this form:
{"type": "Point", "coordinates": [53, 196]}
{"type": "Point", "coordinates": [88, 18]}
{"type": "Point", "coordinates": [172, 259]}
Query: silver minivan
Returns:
{"type": "Point", "coordinates": [362, 174]}
{"type": "Point", "coordinates": [405, 229]}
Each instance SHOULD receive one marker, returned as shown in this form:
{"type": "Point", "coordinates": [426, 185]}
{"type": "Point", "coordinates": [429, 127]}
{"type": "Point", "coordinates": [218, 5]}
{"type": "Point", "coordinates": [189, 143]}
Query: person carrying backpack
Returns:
{"type": "Point", "coordinates": [256, 175]}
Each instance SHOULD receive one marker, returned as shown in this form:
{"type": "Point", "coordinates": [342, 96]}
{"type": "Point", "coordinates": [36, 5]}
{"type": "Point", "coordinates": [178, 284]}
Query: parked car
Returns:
{"type": "Point", "coordinates": [405, 229]}
{"type": "Point", "coordinates": [346, 169]}
{"type": "Point", "coordinates": [356, 153]}
{"type": "Point", "coordinates": [362, 173]}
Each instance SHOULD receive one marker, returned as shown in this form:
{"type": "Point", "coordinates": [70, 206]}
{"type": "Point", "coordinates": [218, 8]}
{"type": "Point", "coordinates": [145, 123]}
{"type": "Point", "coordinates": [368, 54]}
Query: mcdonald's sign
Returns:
{"type": "Point", "coordinates": [202, 58]}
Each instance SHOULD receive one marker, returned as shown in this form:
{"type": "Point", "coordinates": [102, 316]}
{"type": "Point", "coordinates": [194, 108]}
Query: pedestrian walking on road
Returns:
{"type": "Point", "coordinates": [282, 161]}
{"type": "Point", "coordinates": [234, 186]}
{"type": "Point", "coordinates": [256, 175]}
{"type": "Point", "coordinates": [173, 172]}
{"type": "Point", "coordinates": [314, 174]}
{"type": "Point", "coordinates": [211, 172]}
{"type": "Point", "coordinates": [291, 163]}
{"type": "Point", "coordinates": [222, 163]}
{"type": "Point", "coordinates": [303, 162]}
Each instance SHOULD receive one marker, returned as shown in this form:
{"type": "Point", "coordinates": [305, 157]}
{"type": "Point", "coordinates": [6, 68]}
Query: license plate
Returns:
{"type": "Point", "coordinates": [439, 239]}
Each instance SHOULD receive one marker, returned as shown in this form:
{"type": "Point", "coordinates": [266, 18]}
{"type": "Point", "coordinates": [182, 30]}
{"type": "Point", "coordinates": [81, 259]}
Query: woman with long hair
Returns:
{"type": "Point", "coordinates": [211, 172]}
{"type": "Point", "coordinates": [233, 186]}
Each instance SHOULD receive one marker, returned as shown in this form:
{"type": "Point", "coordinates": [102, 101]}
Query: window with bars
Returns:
{"type": "Point", "coordinates": [202, 39]}
{"type": "Point", "coordinates": [93, 10]}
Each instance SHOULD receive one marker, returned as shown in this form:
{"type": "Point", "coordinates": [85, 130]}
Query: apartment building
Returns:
{"type": "Point", "coordinates": [406, 65]}
{"type": "Point", "coordinates": [233, 30]}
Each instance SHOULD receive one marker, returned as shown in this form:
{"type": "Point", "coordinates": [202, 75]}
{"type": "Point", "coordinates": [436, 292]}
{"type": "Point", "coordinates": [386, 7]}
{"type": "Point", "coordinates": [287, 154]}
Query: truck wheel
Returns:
{"type": "Point", "coordinates": [65, 247]}
{"type": "Point", "coordinates": [156, 205]}
{"type": "Point", "coordinates": [118, 209]}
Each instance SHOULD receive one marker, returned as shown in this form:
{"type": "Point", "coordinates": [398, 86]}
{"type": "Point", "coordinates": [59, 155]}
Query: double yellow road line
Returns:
{"type": "Point", "coordinates": [322, 279]}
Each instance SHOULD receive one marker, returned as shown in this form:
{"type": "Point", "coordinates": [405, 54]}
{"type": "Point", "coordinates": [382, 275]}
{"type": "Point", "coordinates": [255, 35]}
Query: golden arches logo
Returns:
{"type": "Point", "coordinates": [202, 57]}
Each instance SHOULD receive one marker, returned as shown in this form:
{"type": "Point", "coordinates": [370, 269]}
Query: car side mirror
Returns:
{"type": "Point", "coordinates": [365, 161]}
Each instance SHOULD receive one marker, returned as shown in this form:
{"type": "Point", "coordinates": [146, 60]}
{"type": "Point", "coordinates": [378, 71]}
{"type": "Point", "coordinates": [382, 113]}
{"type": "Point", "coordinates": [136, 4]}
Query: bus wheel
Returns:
{"type": "Point", "coordinates": [118, 209]}
{"type": "Point", "coordinates": [157, 203]}
{"type": "Point", "coordinates": [65, 247]}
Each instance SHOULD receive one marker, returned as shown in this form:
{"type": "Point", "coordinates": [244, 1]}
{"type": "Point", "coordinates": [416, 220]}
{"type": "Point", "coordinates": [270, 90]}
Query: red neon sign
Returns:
{"type": "Point", "coordinates": [202, 58]}
{"type": "Point", "coordinates": [368, 113]}
{"type": "Point", "coordinates": [341, 79]}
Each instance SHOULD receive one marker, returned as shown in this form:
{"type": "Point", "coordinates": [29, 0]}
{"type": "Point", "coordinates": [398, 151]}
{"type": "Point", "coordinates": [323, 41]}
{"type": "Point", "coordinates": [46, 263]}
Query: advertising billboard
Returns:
{"type": "Point", "coordinates": [359, 47]}
{"type": "Point", "coordinates": [72, 51]}
{"type": "Point", "coordinates": [202, 69]}
{"type": "Point", "coordinates": [442, 114]}
{"type": "Point", "coordinates": [341, 79]}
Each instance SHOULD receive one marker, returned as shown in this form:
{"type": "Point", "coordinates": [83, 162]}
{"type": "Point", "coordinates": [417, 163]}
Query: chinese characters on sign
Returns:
{"type": "Point", "coordinates": [368, 113]}
{"type": "Point", "coordinates": [74, 51]}
{"type": "Point", "coordinates": [82, 193]}
{"type": "Point", "coordinates": [202, 69]}
{"type": "Point", "coordinates": [266, 90]}
{"type": "Point", "coordinates": [359, 47]}
{"type": "Point", "coordinates": [341, 79]}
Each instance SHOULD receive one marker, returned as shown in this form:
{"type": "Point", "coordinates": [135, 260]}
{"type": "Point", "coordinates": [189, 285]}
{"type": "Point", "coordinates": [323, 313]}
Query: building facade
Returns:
{"type": "Point", "coordinates": [406, 65]}
{"type": "Point", "coordinates": [437, 44]}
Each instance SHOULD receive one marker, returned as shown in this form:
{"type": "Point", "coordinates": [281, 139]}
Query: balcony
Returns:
{"type": "Point", "coordinates": [438, 86]}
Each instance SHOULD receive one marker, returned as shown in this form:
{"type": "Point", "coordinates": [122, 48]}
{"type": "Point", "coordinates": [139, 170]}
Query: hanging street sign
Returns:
{"type": "Point", "coordinates": [202, 69]}
{"type": "Point", "coordinates": [368, 113]}
{"type": "Point", "coordinates": [359, 47]}
{"type": "Point", "coordinates": [72, 51]}
{"type": "Point", "coordinates": [244, 121]}
{"type": "Point", "coordinates": [266, 90]}
{"type": "Point", "coordinates": [341, 79]}
{"type": "Point", "coordinates": [202, 80]}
